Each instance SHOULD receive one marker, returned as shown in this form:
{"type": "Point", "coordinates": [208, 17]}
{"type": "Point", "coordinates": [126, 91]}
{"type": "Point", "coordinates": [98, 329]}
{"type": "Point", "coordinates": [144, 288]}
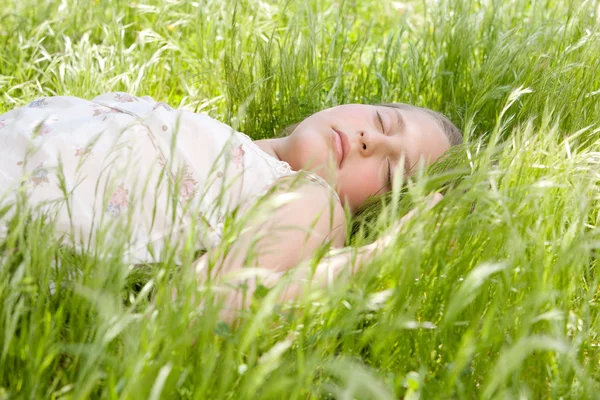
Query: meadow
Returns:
{"type": "Point", "coordinates": [491, 294]}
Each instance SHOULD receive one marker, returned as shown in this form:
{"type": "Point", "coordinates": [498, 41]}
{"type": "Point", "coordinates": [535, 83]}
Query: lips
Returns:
{"type": "Point", "coordinates": [341, 145]}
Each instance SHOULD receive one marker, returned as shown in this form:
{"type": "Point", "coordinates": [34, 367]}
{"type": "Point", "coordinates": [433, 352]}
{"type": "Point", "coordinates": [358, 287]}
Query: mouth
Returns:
{"type": "Point", "coordinates": [341, 145]}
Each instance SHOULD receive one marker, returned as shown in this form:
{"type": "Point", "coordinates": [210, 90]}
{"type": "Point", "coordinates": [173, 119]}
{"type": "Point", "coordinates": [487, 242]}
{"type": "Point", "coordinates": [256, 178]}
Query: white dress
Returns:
{"type": "Point", "coordinates": [120, 159]}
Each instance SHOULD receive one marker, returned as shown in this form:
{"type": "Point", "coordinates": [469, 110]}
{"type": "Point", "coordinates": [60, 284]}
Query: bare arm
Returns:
{"type": "Point", "coordinates": [289, 238]}
{"type": "Point", "coordinates": [339, 260]}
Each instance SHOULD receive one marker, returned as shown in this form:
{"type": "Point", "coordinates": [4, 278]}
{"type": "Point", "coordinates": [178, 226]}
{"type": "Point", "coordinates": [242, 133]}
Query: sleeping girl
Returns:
{"type": "Point", "coordinates": [174, 178]}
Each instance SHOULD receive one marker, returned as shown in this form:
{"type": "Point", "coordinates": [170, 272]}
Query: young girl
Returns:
{"type": "Point", "coordinates": [171, 176]}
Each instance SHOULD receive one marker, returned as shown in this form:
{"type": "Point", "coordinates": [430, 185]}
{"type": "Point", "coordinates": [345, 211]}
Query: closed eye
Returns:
{"type": "Point", "coordinates": [380, 122]}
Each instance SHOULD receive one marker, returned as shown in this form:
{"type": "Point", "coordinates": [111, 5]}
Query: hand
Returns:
{"type": "Point", "coordinates": [388, 238]}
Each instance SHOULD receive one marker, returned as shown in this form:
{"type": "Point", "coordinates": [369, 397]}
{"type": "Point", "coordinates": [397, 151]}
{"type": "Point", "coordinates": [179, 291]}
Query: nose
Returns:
{"type": "Point", "coordinates": [370, 143]}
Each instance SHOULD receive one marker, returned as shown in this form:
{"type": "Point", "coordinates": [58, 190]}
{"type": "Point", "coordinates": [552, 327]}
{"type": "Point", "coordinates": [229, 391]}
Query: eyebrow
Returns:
{"type": "Point", "coordinates": [400, 119]}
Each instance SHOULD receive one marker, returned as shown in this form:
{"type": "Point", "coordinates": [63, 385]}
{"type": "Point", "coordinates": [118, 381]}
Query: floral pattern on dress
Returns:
{"type": "Point", "coordinates": [42, 129]}
{"type": "Point", "coordinates": [101, 111]}
{"type": "Point", "coordinates": [3, 123]}
{"type": "Point", "coordinates": [82, 151]}
{"type": "Point", "coordinates": [237, 155]}
{"type": "Point", "coordinates": [39, 175]}
{"type": "Point", "coordinates": [125, 98]}
{"type": "Point", "coordinates": [118, 201]}
{"type": "Point", "coordinates": [39, 103]}
{"type": "Point", "coordinates": [188, 185]}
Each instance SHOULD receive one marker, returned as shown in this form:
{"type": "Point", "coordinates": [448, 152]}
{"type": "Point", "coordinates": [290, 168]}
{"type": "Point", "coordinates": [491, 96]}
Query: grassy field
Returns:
{"type": "Point", "coordinates": [493, 294]}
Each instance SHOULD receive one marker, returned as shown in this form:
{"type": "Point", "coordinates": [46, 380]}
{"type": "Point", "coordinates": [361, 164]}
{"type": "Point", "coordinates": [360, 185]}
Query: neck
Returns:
{"type": "Point", "coordinates": [283, 150]}
{"type": "Point", "coordinates": [274, 147]}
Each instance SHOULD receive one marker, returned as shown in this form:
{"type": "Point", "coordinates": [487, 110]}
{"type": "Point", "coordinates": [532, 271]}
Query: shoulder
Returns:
{"type": "Point", "coordinates": [314, 206]}
{"type": "Point", "coordinates": [289, 224]}
{"type": "Point", "coordinates": [320, 196]}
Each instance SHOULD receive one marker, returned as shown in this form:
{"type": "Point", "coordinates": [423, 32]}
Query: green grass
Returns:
{"type": "Point", "coordinates": [491, 295]}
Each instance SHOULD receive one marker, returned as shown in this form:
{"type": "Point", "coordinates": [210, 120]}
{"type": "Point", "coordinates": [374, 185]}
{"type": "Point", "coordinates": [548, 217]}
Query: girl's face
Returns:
{"type": "Point", "coordinates": [360, 147]}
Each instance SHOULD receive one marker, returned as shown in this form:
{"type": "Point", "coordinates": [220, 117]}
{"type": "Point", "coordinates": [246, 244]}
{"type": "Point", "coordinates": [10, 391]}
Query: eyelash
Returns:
{"type": "Point", "coordinates": [381, 122]}
{"type": "Point", "coordinates": [383, 131]}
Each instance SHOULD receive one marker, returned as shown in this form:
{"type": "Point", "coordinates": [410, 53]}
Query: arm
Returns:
{"type": "Point", "coordinates": [348, 259]}
{"type": "Point", "coordinates": [290, 237]}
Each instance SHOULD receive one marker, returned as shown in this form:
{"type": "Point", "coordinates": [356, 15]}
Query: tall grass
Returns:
{"type": "Point", "coordinates": [493, 294]}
